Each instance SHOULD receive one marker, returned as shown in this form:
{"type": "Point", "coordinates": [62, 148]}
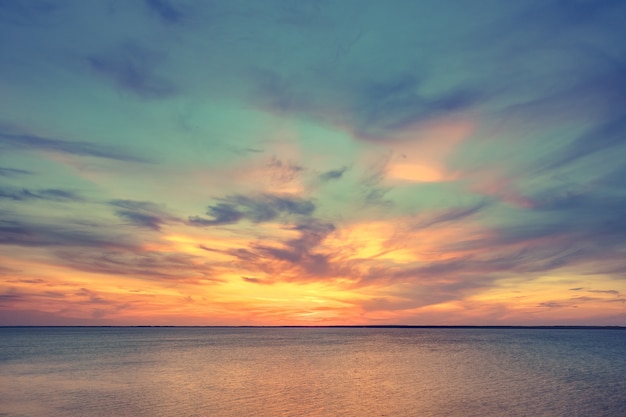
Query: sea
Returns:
{"type": "Point", "coordinates": [315, 371]}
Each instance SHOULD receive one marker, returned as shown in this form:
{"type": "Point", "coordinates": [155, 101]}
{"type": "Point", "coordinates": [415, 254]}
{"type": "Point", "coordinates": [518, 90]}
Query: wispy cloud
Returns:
{"type": "Point", "coordinates": [255, 280]}
{"type": "Point", "coordinates": [16, 231]}
{"type": "Point", "coordinates": [452, 215]}
{"type": "Point", "coordinates": [152, 265]}
{"type": "Point", "coordinates": [165, 10]}
{"type": "Point", "coordinates": [333, 174]}
{"type": "Point", "coordinates": [132, 68]}
{"type": "Point", "coordinates": [11, 172]}
{"type": "Point", "coordinates": [612, 292]}
{"type": "Point", "coordinates": [608, 135]}
{"type": "Point", "coordinates": [257, 209]}
{"type": "Point", "coordinates": [302, 251]}
{"type": "Point", "coordinates": [46, 194]}
{"type": "Point", "coordinates": [143, 213]}
{"type": "Point", "coordinates": [36, 143]}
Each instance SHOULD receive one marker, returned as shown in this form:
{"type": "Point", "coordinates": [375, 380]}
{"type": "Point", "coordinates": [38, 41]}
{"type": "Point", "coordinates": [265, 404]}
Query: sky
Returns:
{"type": "Point", "coordinates": [316, 162]}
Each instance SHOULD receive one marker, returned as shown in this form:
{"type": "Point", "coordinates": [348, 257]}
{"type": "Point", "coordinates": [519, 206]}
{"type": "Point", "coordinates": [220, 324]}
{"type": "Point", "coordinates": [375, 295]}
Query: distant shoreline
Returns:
{"type": "Point", "coordinates": [374, 326]}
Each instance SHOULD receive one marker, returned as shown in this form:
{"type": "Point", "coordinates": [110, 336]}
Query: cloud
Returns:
{"type": "Point", "coordinates": [372, 188]}
{"type": "Point", "coordinates": [35, 143]}
{"type": "Point", "coordinates": [256, 280]}
{"type": "Point", "coordinates": [530, 256]}
{"type": "Point", "coordinates": [301, 251]}
{"type": "Point", "coordinates": [391, 79]}
{"type": "Point", "coordinates": [604, 136]}
{"type": "Point", "coordinates": [136, 205]}
{"type": "Point", "coordinates": [613, 179]}
{"type": "Point", "coordinates": [143, 213]}
{"type": "Point", "coordinates": [141, 219]}
{"type": "Point", "coordinates": [28, 281]}
{"type": "Point", "coordinates": [165, 10]}
{"type": "Point", "coordinates": [395, 104]}
{"type": "Point", "coordinates": [476, 265]}
{"type": "Point", "coordinates": [46, 194]}
{"type": "Point", "coordinates": [612, 292]}
{"type": "Point", "coordinates": [7, 271]}
{"type": "Point", "coordinates": [283, 172]}
{"type": "Point", "coordinates": [11, 296]}
{"type": "Point", "coordinates": [452, 215]}
{"type": "Point", "coordinates": [374, 109]}
{"type": "Point", "coordinates": [84, 297]}
{"type": "Point", "coordinates": [132, 68]}
{"type": "Point", "coordinates": [550, 19]}
{"type": "Point", "coordinates": [299, 259]}
{"type": "Point", "coordinates": [588, 92]}
{"type": "Point", "coordinates": [275, 257]}
{"type": "Point", "coordinates": [101, 306]}
{"type": "Point", "coordinates": [257, 209]}
{"type": "Point", "coordinates": [99, 248]}
{"type": "Point", "coordinates": [410, 292]}
{"type": "Point", "coordinates": [138, 263]}
{"type": "Point", "coordinates": [222, 213]}
{"type": "Point", "coordinates": [68, 234]}
{"type": "Point", "coordinates": [554, 304]}
{"type": "Point", "coordinates": [582, 299]}
{"type": "Point", "coordinates": [589, 214]}
{"type": "Point", "coordinates": [11, 172]}
{"type": "Point", "coordinates": [334, 174]}
{"type": "Point", "coordinates": [577, 301]}
{"type": "Point", "coordinates": [562, 227]}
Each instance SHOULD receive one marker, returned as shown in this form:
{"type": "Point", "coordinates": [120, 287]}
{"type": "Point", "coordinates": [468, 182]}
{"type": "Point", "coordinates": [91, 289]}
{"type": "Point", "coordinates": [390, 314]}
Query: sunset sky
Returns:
{"type": "Point", "coordinates": [312, 162]}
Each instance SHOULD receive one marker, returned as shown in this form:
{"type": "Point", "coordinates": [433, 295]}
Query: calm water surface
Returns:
{"type": "Point", "coordinates": [176, 372]}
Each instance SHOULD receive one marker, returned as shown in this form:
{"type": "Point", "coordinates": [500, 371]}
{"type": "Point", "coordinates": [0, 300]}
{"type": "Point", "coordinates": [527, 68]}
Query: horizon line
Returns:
{"type": "Point", "coordinates": [372, 326]}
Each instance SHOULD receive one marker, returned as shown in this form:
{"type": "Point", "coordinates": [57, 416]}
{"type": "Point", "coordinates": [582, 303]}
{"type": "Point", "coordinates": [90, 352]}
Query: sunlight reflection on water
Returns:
{"type": "Point", "coordinates": [162, 372]}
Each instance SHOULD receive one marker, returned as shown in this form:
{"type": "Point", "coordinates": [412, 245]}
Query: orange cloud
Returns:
{"type": "Point", "coordinates": [421, 154]}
